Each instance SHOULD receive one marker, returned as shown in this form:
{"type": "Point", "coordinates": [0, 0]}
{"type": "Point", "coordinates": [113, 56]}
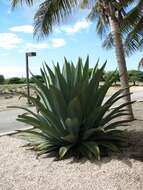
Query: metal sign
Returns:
{"type": "Point", "coordinates": [31, 54]}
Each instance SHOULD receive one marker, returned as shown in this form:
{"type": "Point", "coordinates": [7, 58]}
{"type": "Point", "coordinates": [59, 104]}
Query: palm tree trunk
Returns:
{"type": "Point", "coordinates": [121, 62]}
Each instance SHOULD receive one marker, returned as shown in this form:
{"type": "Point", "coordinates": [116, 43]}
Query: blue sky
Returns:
{"type": "Point", "coordinates": [75, 37]}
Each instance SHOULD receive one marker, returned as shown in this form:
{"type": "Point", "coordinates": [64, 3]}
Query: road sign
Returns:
{"type": "Point", "coordinates": [31, 54]}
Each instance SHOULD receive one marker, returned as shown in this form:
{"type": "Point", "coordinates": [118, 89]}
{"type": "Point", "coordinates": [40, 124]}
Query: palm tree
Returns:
{"type": "Point", "coordinates": [109, 15]}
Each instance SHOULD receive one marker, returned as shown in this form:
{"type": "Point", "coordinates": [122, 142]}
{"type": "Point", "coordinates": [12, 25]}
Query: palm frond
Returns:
{"type": "Point", "coordinates": [51, 13]}
{"type": "Point", "coordinates": [21, 2]}
{"type": "Point", "coordinates": [97, 14]}
{"type": "Point", "coordinates": [108, 43]}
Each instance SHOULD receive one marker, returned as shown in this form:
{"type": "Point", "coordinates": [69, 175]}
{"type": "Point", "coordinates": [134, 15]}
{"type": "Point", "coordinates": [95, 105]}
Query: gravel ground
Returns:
{"type": "Point", "coordinates": [20, 170]}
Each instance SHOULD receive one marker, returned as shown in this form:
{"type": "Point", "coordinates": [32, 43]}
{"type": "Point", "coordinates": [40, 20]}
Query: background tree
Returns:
{"type": "Point", "coordinates": [110, 15]}
{"type": "Point", "coordinates": [135, 76]}
{"type": "Point", "coordinates": [14, 80]}
{"type": "Point", "coordinates": [2, 79]}
{"type": "Point", "coordinates": [115, 74]}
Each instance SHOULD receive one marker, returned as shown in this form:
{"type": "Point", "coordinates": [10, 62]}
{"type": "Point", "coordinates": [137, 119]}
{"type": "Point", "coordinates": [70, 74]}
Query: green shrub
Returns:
{"type": "Point", "coordinates": [2, 79]}
{"type": "Point", "coordinates": [22, 80]}
{"type": "Point", "coordinates": [14, 80]}
{"type": "Point", "coordinates": [73, 118]}
{"type": "Point", "coordinates": [39, 77]}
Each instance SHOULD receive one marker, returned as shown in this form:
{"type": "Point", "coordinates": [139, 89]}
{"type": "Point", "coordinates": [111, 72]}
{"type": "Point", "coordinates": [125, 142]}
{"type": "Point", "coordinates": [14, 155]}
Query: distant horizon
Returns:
{"type": "Point", "coordinates": [24, 76]}
{"type": "Point", "coordinates": [74, 38]}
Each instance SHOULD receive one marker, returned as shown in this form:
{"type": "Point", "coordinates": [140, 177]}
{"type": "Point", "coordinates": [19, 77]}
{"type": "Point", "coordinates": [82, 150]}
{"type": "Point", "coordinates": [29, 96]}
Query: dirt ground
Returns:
{"type": "Point", "coordinates": [132, 89]}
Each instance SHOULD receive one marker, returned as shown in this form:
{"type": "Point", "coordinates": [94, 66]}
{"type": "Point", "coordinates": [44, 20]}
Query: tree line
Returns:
{"type": "Point", "coordinates": [17, 80]}
{"type": "Point", "coordinates": [134, 76]}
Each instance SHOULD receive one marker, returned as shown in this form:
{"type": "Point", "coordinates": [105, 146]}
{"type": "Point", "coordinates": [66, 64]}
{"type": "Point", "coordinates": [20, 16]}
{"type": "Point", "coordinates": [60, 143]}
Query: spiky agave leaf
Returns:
{"type": "Point", "coordinates": [74, 118]}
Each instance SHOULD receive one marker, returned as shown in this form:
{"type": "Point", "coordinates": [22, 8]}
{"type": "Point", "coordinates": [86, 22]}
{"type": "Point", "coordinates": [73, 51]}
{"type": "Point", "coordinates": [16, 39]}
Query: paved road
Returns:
{"type": "Point", "coordinates": [8, 118]}
{"type": "Point", "coordinates": [8, 121]}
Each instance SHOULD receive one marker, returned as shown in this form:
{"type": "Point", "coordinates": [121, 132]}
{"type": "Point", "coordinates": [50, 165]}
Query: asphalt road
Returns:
{"type": "Point", "coordinates": [8, 118]}
{"type": "Point", "coordinates": [8, 121]}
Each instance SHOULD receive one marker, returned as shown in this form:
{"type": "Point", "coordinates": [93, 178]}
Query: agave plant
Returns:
{"type": "Point", "coordinates": [73, 118]}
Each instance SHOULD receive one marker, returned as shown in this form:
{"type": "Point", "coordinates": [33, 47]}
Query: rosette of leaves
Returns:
{"type": "Point", "coordinates": [74, 118]}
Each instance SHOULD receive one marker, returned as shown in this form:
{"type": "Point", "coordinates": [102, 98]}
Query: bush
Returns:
{"type": "Point", "coordinates": [22, 80]}
{"type": "Point", "coordinates": [14, 80]}
{"type": "Point", "coordinates": [73, 119]}
{"type": "Point", "coordinates": [2, 79]}
{"type": "Point", "coordinates": [39, 77]}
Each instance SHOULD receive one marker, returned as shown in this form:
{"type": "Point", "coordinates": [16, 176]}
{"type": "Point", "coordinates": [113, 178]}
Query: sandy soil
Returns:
{"type": "Point", "coordinates": [20, 170]}
{"type": "Point", "coordinates": [132, 89]}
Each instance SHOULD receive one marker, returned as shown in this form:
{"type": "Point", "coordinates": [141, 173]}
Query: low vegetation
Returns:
{"type": "Point", "coordinates": [73, 119]}
{"type": "Point", "coordinates": [16, 80]}
{"type": "Point", "coordinates": [15, 84]}
{"type": "Point", "coordinates": [134, 77]}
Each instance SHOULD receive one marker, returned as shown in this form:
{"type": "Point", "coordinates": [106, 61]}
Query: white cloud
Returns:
{"type": "Point", "coordinates": [52, 43]}
{"type": "Point", "coordinates": [58, 42]}
{"type": "Point", "coordinates": [9, 12]}
{"type": "Point", "coordinates": [37, 46]}
{"type": "Point", "coordinates": [9, 40]}
{"type": "Point", "coordinates": [78, 26]}
{"type": "Point", "coordinates": [33, 46]}
{"type": "Point", "coordinates": [23, 28]}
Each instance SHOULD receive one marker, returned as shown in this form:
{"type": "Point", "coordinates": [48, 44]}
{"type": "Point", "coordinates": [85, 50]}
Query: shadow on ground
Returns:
{"type": "Point", "coordinates": [135, 148]}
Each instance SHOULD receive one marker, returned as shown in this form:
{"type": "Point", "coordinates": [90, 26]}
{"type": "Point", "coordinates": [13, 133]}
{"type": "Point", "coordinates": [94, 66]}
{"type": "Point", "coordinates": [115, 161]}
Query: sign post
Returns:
{"type": "Point", "coordinates": [28, 54]}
